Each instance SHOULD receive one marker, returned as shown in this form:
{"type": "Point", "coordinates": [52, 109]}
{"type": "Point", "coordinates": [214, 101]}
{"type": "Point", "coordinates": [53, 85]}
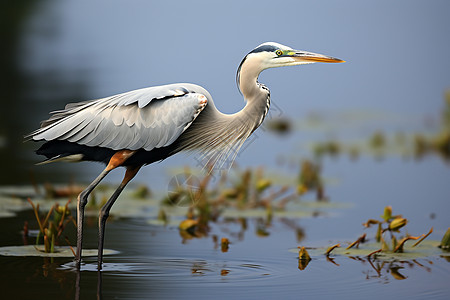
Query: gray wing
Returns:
{"type": "Point", "coordinates": [142, 119]}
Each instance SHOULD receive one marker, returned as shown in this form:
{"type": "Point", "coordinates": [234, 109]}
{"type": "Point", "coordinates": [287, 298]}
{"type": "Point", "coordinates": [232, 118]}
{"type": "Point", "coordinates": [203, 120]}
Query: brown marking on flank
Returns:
{"type": "Point", "coordinates": [119, 158]}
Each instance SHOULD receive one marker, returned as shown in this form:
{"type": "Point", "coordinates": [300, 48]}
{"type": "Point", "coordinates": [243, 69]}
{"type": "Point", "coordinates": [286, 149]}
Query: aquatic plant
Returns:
{"type": "Point", "coordinates": [445, 243]}
{"type": "Point", "coordinates": [303, 258]}
{"type": "Point", "coordinates": [392, 224]}
{"type": "Point", "coordinates": [382, 254]}
{"type": "Point", "coordinates": [207, 198]}
{"type": "Point", "coordinates": [377, 140]}
{"type": "Point", "coordinates": [331, 148]}
{"type": "Point", "coordinates": [279, 125]}
{"type": "Point", "coordinates": [51, 230]}
{"type": "Point", "coordinates": [328, 252]}
{"type": "Point", "coordinates": [380, 143]}
{"type": "Point", "coordinates": [224, 244]}
{"type": "Point", "coordinates": [309, 179]}
{"type": "Point", "coordinates": [142, 192]}
{"type": "Point", "coordinates": [52, 192]}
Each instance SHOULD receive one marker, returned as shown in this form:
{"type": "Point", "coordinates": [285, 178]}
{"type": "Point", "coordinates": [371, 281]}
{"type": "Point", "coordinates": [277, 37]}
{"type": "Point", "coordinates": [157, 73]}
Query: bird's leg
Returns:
{"type": "Point", "coordinates": [116, 160]}
{"type": "Point", "coordinates": [104, 212]}
{"type": "Point", "coordinates": [82, 201]}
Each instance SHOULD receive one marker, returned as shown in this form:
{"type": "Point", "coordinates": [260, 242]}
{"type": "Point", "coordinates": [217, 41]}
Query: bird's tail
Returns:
{"type": "Point", "coordinates": [63, 158]}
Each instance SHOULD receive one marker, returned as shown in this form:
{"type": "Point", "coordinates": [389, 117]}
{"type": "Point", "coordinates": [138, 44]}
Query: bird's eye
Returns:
{"type": "Point", "coordinates": [279, 52]}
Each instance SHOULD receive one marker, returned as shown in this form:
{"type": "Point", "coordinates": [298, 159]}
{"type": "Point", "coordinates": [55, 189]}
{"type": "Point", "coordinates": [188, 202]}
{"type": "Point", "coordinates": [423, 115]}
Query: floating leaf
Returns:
{"type": "Point", "coordinates": [30, 250]}
{"type": "Point", "coordinates": [427, 248]}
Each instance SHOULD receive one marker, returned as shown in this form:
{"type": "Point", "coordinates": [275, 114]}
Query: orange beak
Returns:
{"type": "Point", "coordinates": [314, 57]}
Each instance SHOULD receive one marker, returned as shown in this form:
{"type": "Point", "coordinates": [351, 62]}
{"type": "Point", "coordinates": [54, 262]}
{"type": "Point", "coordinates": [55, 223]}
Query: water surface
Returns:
{"type": "Point", "coordinates": [394, 80]}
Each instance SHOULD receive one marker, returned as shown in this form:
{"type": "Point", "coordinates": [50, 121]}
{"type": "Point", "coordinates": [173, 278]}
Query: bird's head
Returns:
{"type": "Point", "coordinates": [272, 55]}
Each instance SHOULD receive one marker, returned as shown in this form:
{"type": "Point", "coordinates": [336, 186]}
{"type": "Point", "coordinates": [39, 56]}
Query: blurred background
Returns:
{"type": "Point", "coordinates": [56, 52]}
{"type": "Point", "coordinates": [382, 116]}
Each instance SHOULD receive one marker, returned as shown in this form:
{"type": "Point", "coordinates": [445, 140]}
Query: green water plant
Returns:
{"type": "Point", "coordinates": [445, 243]}
{"type": "Point", "coordinates": [247, 190]}
{"type": "Point", "coordinates": [309, 179]}
{"type": "Point", "coordinates": [50, 229]}
{"type": "Point", "coordinates": [142, 192]}
{"type": "Point", "coordinates": [389, 244]}
{"type": "Point", "coordinates": [391, 224]}
{"type": "Point", "coordinates": [280, 126]}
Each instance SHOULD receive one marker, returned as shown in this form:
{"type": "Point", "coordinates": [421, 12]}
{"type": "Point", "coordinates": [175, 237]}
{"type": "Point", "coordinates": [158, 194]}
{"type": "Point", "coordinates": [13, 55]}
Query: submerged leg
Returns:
{"type": "Point", "coordinates": [104, 212]}
{"type": "Point", "coordinates": [116, 160]}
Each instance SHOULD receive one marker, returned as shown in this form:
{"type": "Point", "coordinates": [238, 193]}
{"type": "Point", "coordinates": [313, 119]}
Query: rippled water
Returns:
{"type": "Point", "coordinates": [156, 262]}
{"type": "Point", "coordinates": [57, 52]}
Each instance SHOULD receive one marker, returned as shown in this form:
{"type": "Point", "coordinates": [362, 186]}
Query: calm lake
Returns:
{"type": "Point", "coordinates": [376, 126]}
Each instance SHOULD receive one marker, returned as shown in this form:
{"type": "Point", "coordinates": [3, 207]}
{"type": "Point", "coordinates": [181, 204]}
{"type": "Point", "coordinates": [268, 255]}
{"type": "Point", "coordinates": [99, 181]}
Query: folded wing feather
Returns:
{"type": "Point", "coordinates": [142, 119]}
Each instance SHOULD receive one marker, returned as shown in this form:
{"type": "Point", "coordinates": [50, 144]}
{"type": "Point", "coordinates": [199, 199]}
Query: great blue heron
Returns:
{"type": "Point", "coordinates": [140, 127]}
